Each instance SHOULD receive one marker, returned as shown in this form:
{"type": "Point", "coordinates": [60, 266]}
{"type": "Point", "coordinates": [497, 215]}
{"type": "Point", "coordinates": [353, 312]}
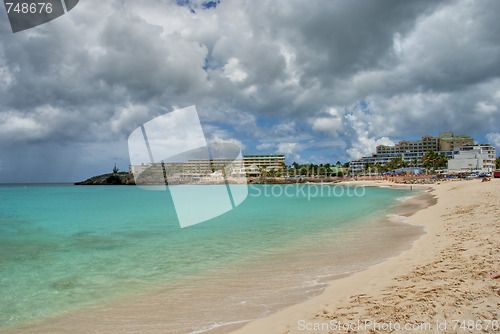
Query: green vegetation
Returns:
{"type": "Point", "coordinates": [433, 160]}
{"type": "Point", "coordinates": [497, 161]}
{"type": "Point", "coordinates": [115, 169]}
{"type": "Point", "coordinates": [313, 169]}
{"type": "Point", "coordinates": [397, 163]}
{"type": "Point", "coordinates": [429, 160]}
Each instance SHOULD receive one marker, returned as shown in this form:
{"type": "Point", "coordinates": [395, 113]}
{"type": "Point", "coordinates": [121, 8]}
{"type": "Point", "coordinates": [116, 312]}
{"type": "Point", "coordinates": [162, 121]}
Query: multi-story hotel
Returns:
{"type": "Point", "coordinates": [427, 143]}
{"type": "Point", "coordinates": [477, 158]}
{"type": "Point", "coordinates": [446, 142]}
{"type": "Point", "coordinates": [250, 164]}
{"type": "Point", "coordinates": [413, 151]}
{"type": "Point", "coordinates": [270, 161]}
{"type": "Point", "coordinates": [449, 142]}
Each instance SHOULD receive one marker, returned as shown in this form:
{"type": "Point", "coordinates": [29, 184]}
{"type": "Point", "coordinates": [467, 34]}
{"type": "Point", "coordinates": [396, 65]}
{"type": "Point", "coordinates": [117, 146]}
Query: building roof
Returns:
{"type": "Point", "coordinates": [455, 137]}
{"type": "Point", "coordinates": [264, 156]}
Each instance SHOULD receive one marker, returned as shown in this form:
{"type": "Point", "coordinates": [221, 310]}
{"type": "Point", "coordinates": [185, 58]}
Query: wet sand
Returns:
{"type": "Point", "coordinates": [441, 285]}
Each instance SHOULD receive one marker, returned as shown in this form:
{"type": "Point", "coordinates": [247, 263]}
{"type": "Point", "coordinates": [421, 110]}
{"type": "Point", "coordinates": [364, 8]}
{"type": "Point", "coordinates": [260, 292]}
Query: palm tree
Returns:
{"type": "Point", "coordinates": [271, 173]}
{"type": "Point", "coordinates": [296, 168]}
{"type": "Point", "coordinates": [262, 171]}
{"type": "Point", "coordinates": [284, 169]}
{"type": "Point", "coordinates": [433, 160]}
{"type": "Point", "coordinates": [396, 163]}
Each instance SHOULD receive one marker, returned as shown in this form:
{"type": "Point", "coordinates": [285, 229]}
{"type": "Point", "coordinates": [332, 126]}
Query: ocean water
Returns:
{"type": "Point", "coordinates": [65, 247]}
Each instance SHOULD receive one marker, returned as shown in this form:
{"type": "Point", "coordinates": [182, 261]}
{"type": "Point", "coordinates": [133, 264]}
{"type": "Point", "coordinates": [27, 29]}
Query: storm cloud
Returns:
{"type": "Point", "coordinates": [318, 80]}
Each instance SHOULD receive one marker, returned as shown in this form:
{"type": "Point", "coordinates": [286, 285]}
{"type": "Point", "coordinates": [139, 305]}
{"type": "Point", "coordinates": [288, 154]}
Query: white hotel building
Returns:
{"type": "Point", "coordinates": [477, 158]}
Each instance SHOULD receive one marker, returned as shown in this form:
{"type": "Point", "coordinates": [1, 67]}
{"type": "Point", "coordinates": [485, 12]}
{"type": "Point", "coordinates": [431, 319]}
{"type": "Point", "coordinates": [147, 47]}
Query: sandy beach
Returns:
{"type": "Point", "coordinates": [443, 284]}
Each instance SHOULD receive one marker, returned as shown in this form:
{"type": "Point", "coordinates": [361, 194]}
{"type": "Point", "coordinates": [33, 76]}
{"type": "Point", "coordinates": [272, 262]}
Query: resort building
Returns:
{"type": "Point", "coordinates": [210, 166]}
{"type": "Point", "coordinates": [250, 165]}
{"type": "Point", "coordinates": [413, 151]}
{"type": "Point", "coordinates": [477, 158]}
{"type": "Point", "coordinates": [269, 162]}
{"type": "Point", "coordinates": [428, 143]}
{"type": "Point", "coordinates": [446, 142]}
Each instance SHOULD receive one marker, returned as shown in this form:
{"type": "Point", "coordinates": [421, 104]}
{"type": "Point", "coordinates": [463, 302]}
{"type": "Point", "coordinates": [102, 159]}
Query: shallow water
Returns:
{"type": "Point", "coordinates": [66, 247]}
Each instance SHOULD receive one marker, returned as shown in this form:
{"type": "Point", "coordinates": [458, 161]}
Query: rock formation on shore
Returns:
{"type": "Point", "coordinates": [109, 179]}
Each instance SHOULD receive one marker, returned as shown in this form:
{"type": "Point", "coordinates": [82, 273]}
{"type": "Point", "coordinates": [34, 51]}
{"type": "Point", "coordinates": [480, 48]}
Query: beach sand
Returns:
{"type": "Point", "coordinates": [443, 280]}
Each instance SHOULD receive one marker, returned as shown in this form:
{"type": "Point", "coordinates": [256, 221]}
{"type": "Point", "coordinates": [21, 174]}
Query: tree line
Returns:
{"type": "Point", "coordinates": [430, 160]}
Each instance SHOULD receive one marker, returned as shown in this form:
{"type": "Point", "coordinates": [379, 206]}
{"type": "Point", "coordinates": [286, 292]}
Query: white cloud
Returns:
{"type": "Point", "coordinates": [366, 146]}
{"type": "Point", "coordinates": [38, 124]}
{"type": "Point", "coordinates": [291, 150]}
{"type": "Point", "coordinates": [266, 146]}
{"type": "Point", "coordinates": [485, 107]}
{"type": "Point", "coordinates": [332, 124]}
{"type": "Point", "coordinates": [218, 140]}
{"type": "Point", "coordinates": [494, 139]}
{"type": "Point", "coordinates": [127, 118]}
{"type": "Point", "coordinates": [288, 148]}
{"type": "Point", "coordinates": [6, 76]}
{"type": "Point", "coordinates": [362, 142]}
{"type": "Point", "coordinates": [233, 71]}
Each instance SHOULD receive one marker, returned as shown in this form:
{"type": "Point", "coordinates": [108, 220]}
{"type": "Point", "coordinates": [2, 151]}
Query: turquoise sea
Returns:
{"type": "Point", "coordinates": [64, 247]}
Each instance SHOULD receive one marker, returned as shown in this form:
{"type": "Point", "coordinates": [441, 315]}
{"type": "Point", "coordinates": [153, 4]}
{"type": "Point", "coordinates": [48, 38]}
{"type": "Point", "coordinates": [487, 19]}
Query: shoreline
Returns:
{"type": "Point", "coordinates": [397, 215]}
{"type": "Point", "coordinates": [136, 311]}
{"type": "Point", "coordinates": [413, 288]}
{"type": "Point", "coordinates": [363, 294]}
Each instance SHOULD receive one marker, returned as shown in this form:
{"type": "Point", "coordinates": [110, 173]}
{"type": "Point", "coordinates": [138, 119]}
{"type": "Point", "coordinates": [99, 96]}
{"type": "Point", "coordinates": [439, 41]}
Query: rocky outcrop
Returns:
{"type": "Point", "coordinates": [422, 181]}
{"type": "Point", "coordinates": [109, 179]}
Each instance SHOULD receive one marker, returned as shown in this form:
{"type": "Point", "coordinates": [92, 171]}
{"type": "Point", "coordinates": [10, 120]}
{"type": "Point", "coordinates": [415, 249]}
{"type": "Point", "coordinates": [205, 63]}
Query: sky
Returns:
{"type": "Point", "coordinates": [318, 81]}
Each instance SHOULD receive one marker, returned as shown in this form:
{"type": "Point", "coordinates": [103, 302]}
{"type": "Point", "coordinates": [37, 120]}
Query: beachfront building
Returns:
{"type": "Point", "coordinates": [413, 159]}
{"type": "Point", "coordinates": [209, 166]}
{"type": "Point", "coordinates": [428, 143]}
{"type": "Point", "coordinates": [250, 165]}
{"type": "Point", "coordinates": [138, 169]}
{"type": "Point", "coordinates": [446, 142]}
{"type": "Point", "coordinates": [476, 158]}
{"type": "Point", "coordinates": [269, 162]}
{"type": "Point", "coordinates": [413, 151]}
{"type": "Point", "coordinates": [249, 162]}
{"type": "Point", "coordinates": [358, 166]}
{"type": "Point", "coordinates": [251, 171]}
